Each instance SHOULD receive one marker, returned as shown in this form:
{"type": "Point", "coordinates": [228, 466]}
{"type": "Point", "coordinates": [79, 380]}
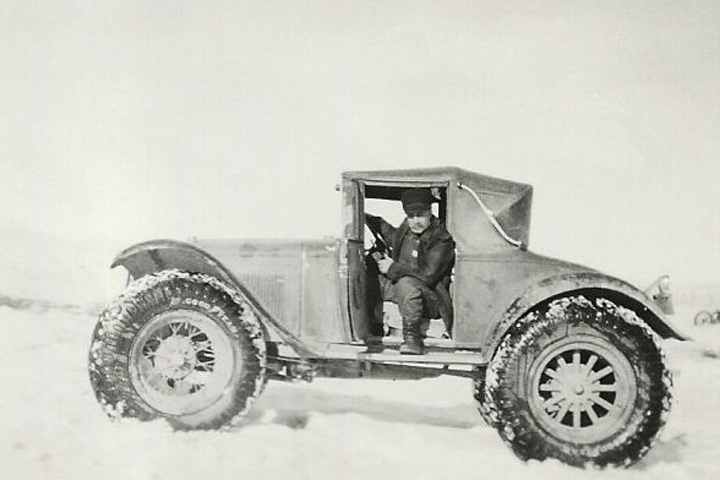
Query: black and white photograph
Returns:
{"type": "Point", "coordinates": [360, 239]}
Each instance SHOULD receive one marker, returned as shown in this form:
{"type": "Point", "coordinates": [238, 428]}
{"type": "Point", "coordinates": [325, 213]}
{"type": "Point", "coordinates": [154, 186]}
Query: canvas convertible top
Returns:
{"type": "Point", "coordinates": [508, 202]}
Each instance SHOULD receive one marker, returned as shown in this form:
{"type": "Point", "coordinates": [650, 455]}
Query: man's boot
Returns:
{"type": "Point", "coordinates": [412, 340]}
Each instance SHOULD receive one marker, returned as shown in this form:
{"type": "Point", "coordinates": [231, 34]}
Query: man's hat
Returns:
{"type": "Point", "coordinates": [416, 200]}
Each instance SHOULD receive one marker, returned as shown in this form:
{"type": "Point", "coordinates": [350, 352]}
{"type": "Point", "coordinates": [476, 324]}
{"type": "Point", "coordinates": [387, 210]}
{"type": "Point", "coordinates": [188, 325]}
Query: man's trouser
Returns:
{"type": "Point", "coordinates": [415, 300]}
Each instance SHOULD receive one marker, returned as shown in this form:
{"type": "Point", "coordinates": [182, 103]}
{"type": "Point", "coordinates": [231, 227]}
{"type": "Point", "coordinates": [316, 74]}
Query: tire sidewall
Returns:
{"type": "Point", "coordinates": [509, 382]}
{"type": "Point", "coordinates": [118, 329]}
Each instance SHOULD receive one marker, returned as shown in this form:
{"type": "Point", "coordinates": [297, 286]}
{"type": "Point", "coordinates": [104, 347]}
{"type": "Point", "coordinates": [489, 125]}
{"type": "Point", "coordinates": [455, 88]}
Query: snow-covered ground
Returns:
{"type": "Point", "coordinates": [53, 428]}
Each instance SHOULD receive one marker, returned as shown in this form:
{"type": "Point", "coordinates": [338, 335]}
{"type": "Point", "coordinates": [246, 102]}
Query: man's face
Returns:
{"type": "Point", "coordinates": [419, 222]}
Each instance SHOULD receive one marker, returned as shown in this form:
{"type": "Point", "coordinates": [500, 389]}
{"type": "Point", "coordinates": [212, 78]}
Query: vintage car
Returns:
{"type": "Point", "coordinates": [565, 361]}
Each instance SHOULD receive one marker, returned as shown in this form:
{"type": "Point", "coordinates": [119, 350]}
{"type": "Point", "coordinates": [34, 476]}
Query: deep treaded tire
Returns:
{"type": "Point", "coordinates": [584, 382]}
{"type": "Point", "coordinates": [181, 346]}
{"type": "Point", "coordinates": [481, 402]}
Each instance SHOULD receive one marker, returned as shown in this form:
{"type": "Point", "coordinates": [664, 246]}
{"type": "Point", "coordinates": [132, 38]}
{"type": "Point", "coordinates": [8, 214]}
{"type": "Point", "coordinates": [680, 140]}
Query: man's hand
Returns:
{"type": "Point", "coordinates": [384, 264]}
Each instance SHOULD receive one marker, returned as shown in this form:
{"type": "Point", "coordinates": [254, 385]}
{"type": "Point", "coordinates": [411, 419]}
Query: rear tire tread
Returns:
{"type": "Point", "coordinates": [499, 404]}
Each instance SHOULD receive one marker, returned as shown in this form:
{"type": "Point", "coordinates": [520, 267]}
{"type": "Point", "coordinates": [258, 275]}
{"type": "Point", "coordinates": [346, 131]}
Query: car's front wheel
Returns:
{"type": "Point", "coordinates": [584, 382]}
{"type": "Point", "coordinates": [180, 346]}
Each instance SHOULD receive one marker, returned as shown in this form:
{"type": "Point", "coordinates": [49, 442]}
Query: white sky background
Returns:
{"type": "Point", "coordinates": [134, 120]}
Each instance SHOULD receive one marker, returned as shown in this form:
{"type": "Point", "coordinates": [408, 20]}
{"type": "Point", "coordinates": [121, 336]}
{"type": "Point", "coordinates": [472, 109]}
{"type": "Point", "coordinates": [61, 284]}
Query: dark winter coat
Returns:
{"type": "Point", "coordinates": [436, 257]}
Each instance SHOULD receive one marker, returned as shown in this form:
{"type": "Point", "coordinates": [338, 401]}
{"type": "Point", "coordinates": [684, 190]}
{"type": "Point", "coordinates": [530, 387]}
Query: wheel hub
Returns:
{"type": "Point", "coordinates": [181, 361]}
{"type": "Point", "coordinates": [175, 357]}
{"type": "Point", "coordinates": [580, 390]}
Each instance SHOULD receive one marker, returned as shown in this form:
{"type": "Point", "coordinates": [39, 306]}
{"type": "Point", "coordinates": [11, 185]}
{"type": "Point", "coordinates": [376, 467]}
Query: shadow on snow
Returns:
{"type": "Point", "coordinates": [295, 405]}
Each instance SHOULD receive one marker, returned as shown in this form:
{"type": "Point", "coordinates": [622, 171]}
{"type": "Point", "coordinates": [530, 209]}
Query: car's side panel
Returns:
{"type": "Point", "coordinates": [593, 283]}
{"type": "Point", "coordinates": [296, 280]}
{"type": "Point", "coordinates": [272, 271]}
{"type": "Point", "coordinates": [157, 255]}
{"type": "Point", "coordinates": [322, 316]}
{"type": "Point", "coordinates": [485, 285]}
{"type": "Point", "coordinates": [492, 292]}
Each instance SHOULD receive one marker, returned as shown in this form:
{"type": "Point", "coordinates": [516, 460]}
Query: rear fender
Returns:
{"type": "Point", "coordinates": [157, 255]}
{"type": "Point", "coordinates": [589, 284]}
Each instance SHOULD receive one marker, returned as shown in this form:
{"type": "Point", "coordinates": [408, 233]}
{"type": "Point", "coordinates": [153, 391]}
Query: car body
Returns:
{"type": "Point", "coordinates": [310, 300]}
{"type": "Point", "coordinates": [314, 289]}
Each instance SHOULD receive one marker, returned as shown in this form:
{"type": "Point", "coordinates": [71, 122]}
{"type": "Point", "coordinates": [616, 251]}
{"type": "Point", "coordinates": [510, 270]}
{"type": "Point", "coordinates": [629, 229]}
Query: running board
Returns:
{"type": "Point", "coordinates": [389, 353]}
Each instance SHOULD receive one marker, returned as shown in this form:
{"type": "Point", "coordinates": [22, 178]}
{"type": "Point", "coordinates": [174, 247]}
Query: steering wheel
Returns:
{"type": "Point", "coordinates": [378, 244]}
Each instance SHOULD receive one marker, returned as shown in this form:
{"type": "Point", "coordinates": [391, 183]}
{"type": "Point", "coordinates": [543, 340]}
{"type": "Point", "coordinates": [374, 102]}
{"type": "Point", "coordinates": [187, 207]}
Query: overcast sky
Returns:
{"type": "Point", "coordinates": [145, 119]}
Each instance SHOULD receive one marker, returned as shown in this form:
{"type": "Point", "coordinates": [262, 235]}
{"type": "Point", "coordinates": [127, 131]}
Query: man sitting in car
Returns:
{"type": "Point", "coordinates": [415, 275]}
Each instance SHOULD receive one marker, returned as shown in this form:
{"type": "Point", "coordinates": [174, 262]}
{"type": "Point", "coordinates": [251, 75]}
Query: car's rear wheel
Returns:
{"type": "Point", "coordinates": [481, 401]}
{"type": "Point", "coordinates": [181, 346]}
{"type": "Point", "coordinates": [581, 381]}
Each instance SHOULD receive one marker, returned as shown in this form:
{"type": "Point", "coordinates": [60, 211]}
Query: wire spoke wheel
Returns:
{"type": "Point", "coordinates": [182, 346]}
{"type": "Point", "coordinates": [181, 362]}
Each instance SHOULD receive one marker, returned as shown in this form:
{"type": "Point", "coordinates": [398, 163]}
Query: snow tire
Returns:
{"type": "Point", "coordinates": [181, 346]}
{"type": "Point", "coordinates": [581, 381]}
{"type": "Point", "coordinates": [481, 402]}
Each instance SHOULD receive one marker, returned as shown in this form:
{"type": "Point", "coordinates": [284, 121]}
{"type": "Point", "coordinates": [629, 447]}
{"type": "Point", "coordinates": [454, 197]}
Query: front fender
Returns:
{"type": "Point", "coordinates": [588, 283]}
{"type": "Point", "coordinates": [157, 255]}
